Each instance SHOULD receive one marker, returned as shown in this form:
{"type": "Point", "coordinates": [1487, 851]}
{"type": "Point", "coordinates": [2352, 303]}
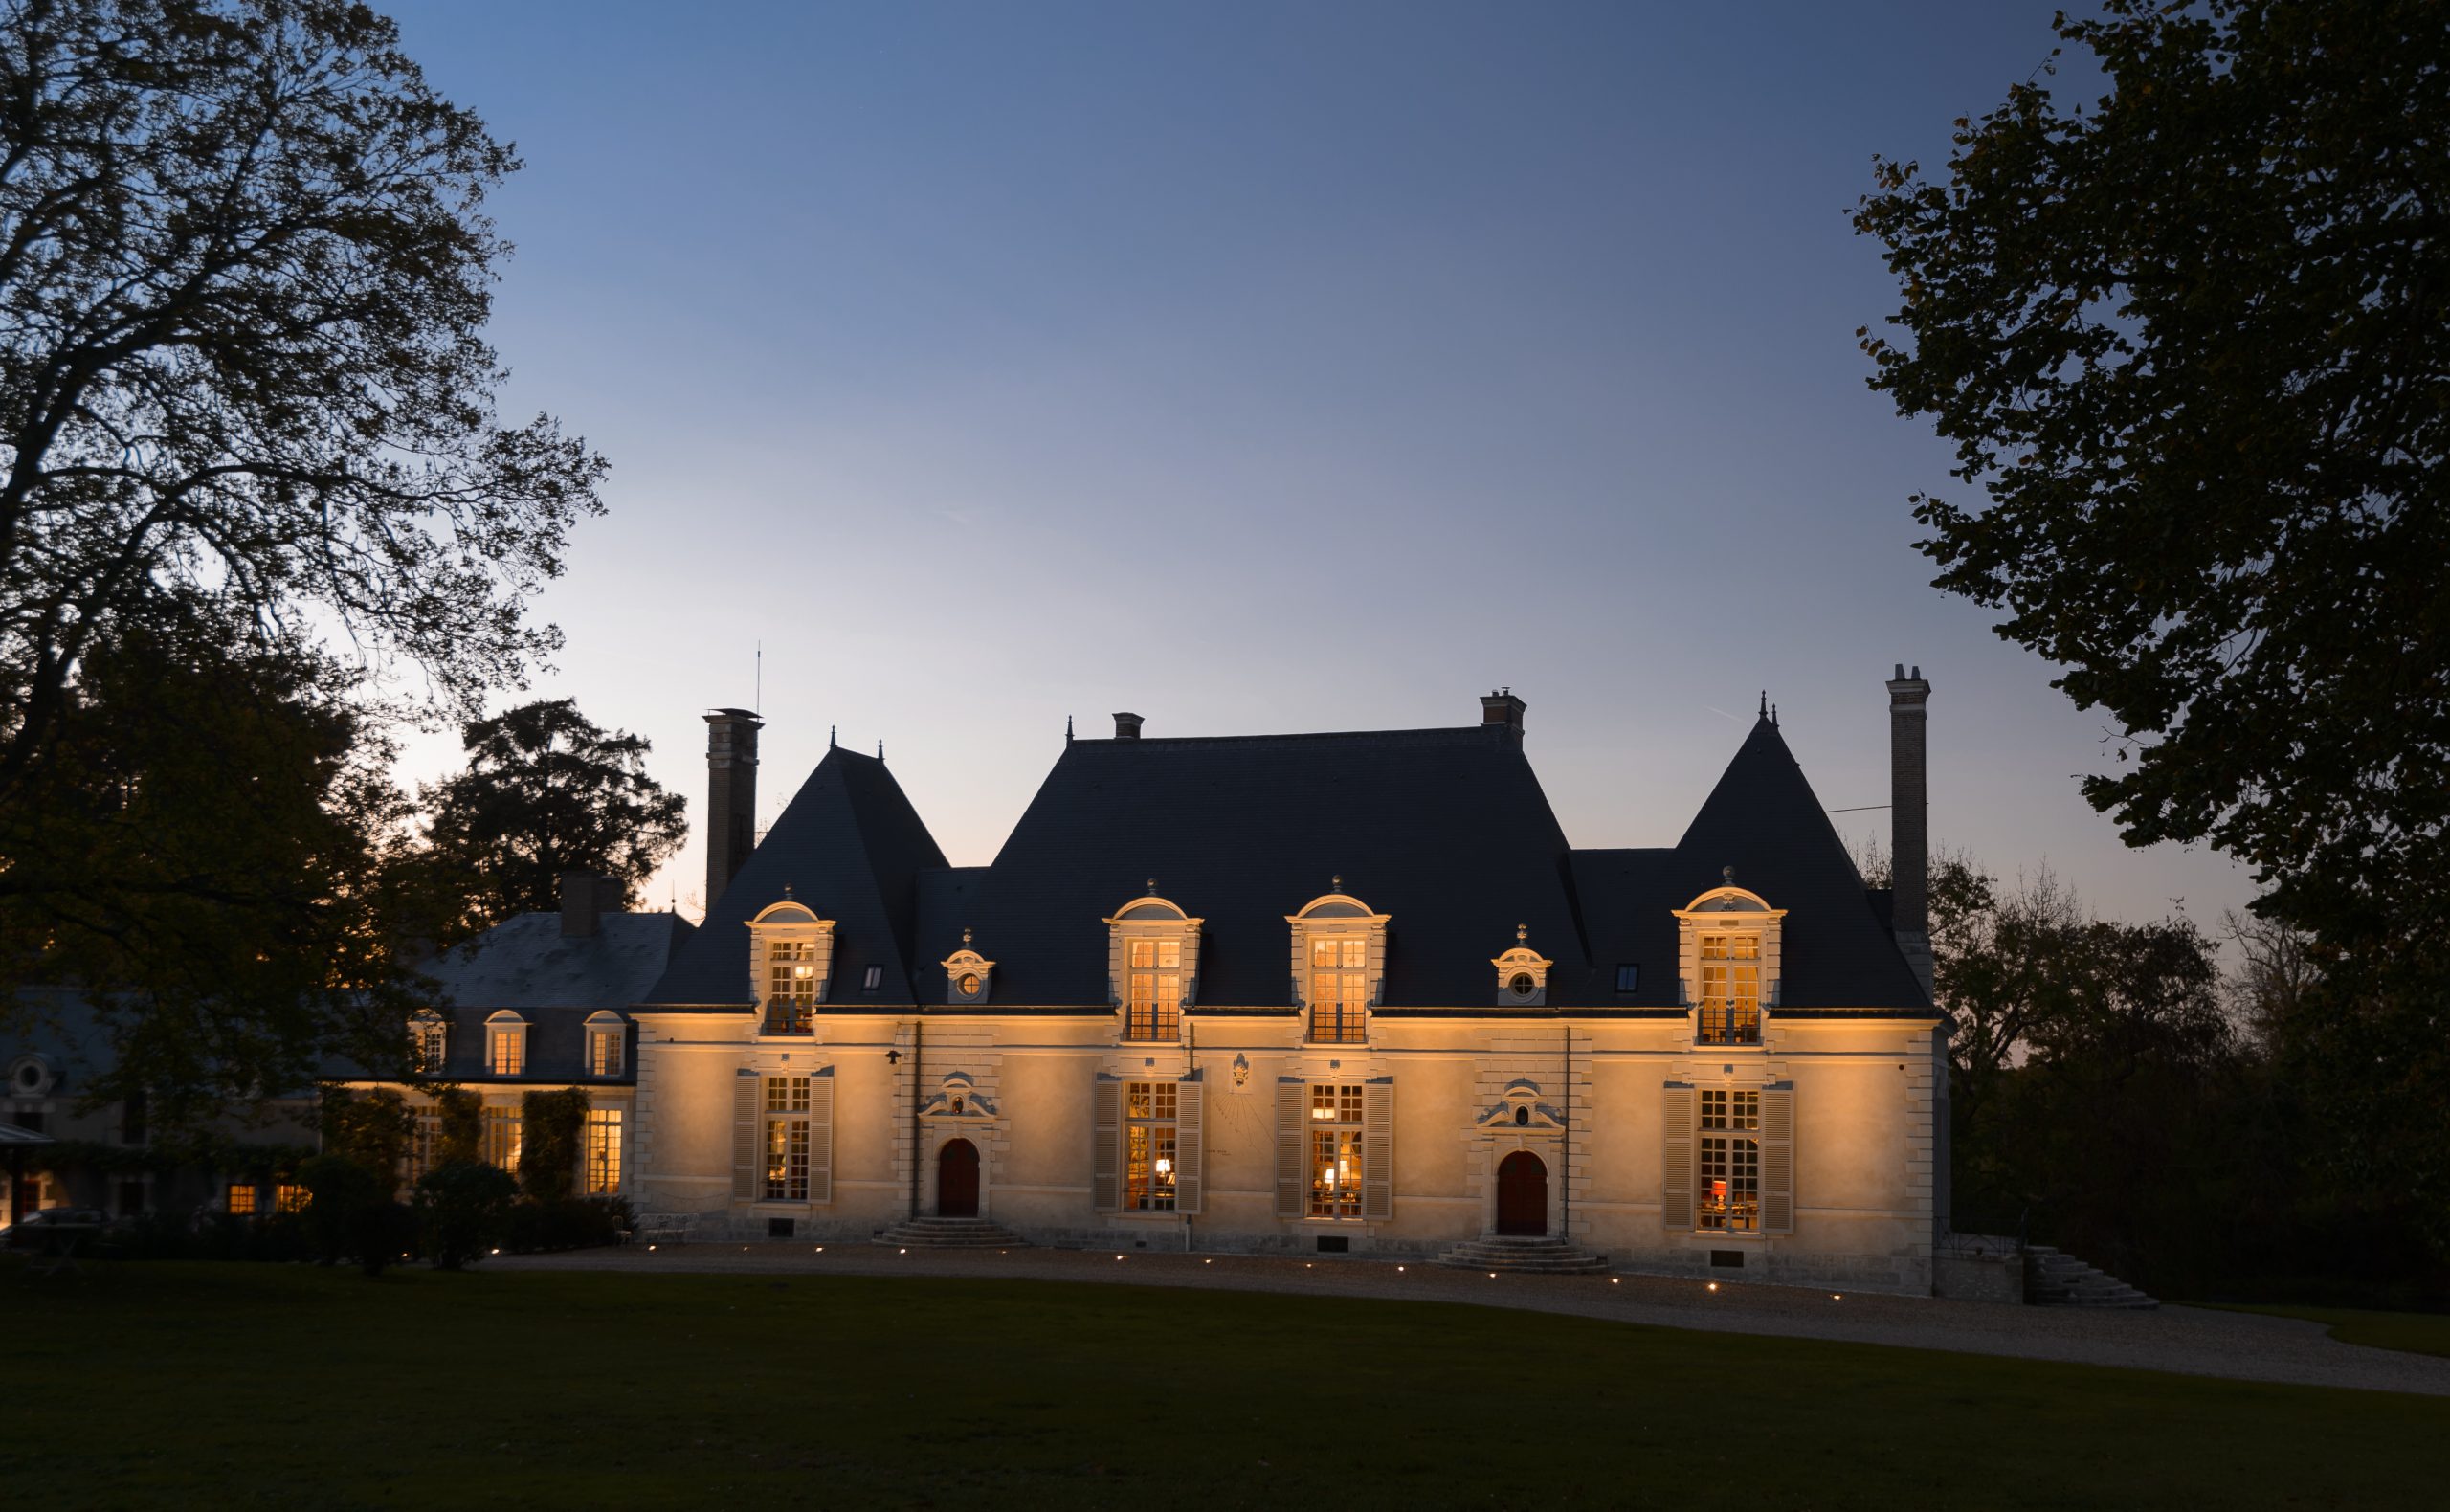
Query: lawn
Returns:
{"type": "Point", "coordinates": [290, 1387]}
{"type": "Point", "coordinates": [2416, 1333]}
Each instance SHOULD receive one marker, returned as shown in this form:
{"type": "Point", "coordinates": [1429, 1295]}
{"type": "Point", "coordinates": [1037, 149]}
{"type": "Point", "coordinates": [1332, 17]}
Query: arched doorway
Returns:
{"type": "Point", "coordinates": [1521, 1194]}
{"type": "Point", "coordinates": [957, 1180]}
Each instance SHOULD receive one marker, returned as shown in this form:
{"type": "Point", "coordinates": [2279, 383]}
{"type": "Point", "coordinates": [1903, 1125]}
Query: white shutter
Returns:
{"type": "Point", "coordinates": [1676, 1142]}
{"type": "Point", "coordinates": [1105, 1105]}
{"type": "Point", "coordinates": [744, 1137]}
{"type": "Point", "coordinates": [1778, 1159]}
{"type": "Point", "coordinates": [1378, 1149]}
{"type": "Point", "coordinates": [1190, 1109]}
{"type": "Point", "coordinates": [821, 1136]}
{"type": "Point", "coordinates": [1290, 1158]}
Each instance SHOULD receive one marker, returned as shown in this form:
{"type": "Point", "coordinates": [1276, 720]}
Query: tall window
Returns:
{"type": "Point", "coordinates": [603, 1049]}
{"type": "Point", "coordinates": [790, 984]}
{"type": "Point", "coordinates": [1335, 1152]}
{"type": "Point", "coordinates": [1730, 1151]}
{"type": "Point", "coordinates": [506, 1048]}
{"type": "Point", "coordinates": [1732, 990]}
{"type": "Point", "coordinates": [787, 1136]}
{"type": "Point", "coordinates": [1148, 1145]}
{"type": "Point", "coordinates": [604, 1151]}
{"type": "Point", "coordinates": [1339, 988]}
{"type": "Point", "coordinates": [429, 1039]}
{"type": "Point", "coordinates": [425, 1137]}
{"type": "Point", "coordinates": [503, 1136]}
{"type": "Point", "coordinates": [1156, 990]}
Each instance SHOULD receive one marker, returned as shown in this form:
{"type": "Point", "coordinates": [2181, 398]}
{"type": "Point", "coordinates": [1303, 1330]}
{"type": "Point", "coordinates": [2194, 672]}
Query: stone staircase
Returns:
{"type": "Point", "coordinates": [2056, 1279]}
{"type": "Point", "coordinates": [1539, 1256]}
{"type": "Point", "coordinates": [950, 1234]}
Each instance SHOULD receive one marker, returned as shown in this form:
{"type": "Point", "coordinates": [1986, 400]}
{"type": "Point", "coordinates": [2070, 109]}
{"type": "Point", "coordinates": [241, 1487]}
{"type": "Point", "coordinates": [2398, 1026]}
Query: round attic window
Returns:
{"type": "Point", "coordinates": [1521, 984]}
{"type": "Point", "coordinates": [968, 986]}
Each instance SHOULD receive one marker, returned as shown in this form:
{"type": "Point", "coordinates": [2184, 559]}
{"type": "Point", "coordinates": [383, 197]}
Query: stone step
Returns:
{"type": "Point", "coordinates": [950, 1234]}
{"type": "Point", "coordinates": [1540, 1255]}
{"type": "Point", "coordinates": [2055, 1278]}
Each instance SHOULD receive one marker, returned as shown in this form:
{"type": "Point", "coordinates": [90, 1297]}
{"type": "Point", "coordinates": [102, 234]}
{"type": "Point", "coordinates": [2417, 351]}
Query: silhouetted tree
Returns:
{"type": "Point", "coordinates": [544, 792]}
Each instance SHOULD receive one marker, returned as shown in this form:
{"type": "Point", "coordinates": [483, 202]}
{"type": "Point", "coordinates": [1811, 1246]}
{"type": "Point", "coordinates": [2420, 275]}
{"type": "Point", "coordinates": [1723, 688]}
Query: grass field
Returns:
{"type": "Point", "coordinates": [291, 1386]}
{"type": "Point", "coordinates": [2416, 1333]}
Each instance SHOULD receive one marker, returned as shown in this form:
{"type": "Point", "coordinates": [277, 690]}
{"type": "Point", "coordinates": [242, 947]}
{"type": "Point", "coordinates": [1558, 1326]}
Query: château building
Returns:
{"type": "Point", "coordinates": [1350, 993]}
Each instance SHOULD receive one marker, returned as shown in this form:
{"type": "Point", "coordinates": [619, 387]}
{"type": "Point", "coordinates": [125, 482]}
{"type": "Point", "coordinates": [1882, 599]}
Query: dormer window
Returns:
{"type": "Point", "coordinates": [1728, 941]}
{"type": "Point", "coordinates": [1522, 973]}
{"type": "Point", "coordinates": [968, 974]}
{"type": "Point", "coordinates": [429, 1042]}
{"type": "Point", "coordinates": [506, 1044]}
{"type": "Point", "coordinates": [1153, 963]}
{"type": "Point", "coordinates": [790, 959]}
{"type": "Point", "coordinates": [608, 1037]}
{"type": "Point", "coordinates": [1338, 963]}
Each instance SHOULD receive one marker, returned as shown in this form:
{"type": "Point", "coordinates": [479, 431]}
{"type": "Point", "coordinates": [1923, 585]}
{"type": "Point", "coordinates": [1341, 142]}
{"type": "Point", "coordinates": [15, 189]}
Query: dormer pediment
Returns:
{"type": "Point", "coordinates": [968, 974]}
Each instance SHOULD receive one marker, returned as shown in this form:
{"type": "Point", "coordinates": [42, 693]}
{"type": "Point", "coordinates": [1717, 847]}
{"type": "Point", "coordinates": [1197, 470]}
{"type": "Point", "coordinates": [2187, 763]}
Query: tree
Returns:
{"type": "Point", "coordinates": [544, 792]}
{"type": "Point", "coordinates": [2195, 344]}
{"type": "Point", "coordinates": [243, 280]}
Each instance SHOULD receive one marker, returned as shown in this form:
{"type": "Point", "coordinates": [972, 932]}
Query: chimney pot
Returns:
{"type": "Point", "coordinates": [586, 896]}
{"type": "Point", "coordinates": [1127, 727]}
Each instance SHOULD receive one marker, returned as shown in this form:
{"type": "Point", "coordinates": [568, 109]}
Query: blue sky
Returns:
{"type": "Point", "coordinates": [1256, 368]}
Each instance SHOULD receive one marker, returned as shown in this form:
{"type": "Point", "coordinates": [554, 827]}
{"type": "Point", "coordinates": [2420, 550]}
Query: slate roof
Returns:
{"type": "Point", "coordinates": [849, 846]}
{"type": "Point", "coordinates": [555, 982]}
{"type": "Point", "coordinates": [1447, 831]}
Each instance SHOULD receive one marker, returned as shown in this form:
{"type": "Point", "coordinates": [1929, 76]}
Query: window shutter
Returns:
{"type": "Point", "coordinates": [1378, 1149]}
{"type": "Point", "coordinates": [1106, 1101]}
{"type": "Point", "coordinates": [1676, 1140]}
{"type": "Point", "coordinates": [1191, 1108]}
{"type": "Point", "coordinates": [1289, 1157]}
{"type": "Point", "coordinates": [1778, 1159]}
{"type": "Point", "coordinates": [744, 1137]}
{"type": "Point", "coordinates": [821, 1136]}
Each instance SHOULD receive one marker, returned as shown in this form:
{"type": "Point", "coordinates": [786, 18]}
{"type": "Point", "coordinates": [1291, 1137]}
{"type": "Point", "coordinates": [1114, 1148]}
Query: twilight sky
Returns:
{"type": "Point", "coordinates": [1258, 369]}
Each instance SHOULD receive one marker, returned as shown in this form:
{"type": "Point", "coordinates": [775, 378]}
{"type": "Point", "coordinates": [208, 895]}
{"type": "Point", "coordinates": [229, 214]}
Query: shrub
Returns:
{"type": "Point", "coordinates": [350, 1211]}
{"type": "Point", "coordinates": [572, 1223]}
{"type": "Point", "coordinates": [464, 1209]}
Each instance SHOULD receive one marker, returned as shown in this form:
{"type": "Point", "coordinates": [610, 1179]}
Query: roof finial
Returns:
{"type": "Point", "coordinates": [830, 732]}
{"type": "Point", "coordinates": [1152, 887]}
{"type": "Point", "coordinates": [1727, 872]}
{"type": "Point", "coordinates": [787, 891]}
{"type": "Point", "coordinates": [880, 748]}
{"type": "Point", "coordinates": [1764, 704]}
{"type": "Point", "coordinates": [1335, 884]}
{"type": "Point", "coordinates": [1067, 729]}
{"type": "Point", "coordinates": [1522, 933]}
{"type": "Point", "coordinates": [964, 934]}
{"type": "Point", "coordinates": [1773, 714]}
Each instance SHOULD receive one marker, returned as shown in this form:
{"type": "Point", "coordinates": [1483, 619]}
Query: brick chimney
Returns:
{"type": "Point", "coordinates": [732, 797]}
{"type": "Point", "coordinates": [1500, 706]}
{"type": "Point", "coordinates": [1909, 817]}
{"type": "Point", "coordinates": [1127, 727]}
{"type": "Point", "coordinates": [586, 896]}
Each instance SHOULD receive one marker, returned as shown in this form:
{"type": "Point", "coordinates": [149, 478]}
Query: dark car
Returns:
{"type": "Point", "coordinates": [36, 1229]}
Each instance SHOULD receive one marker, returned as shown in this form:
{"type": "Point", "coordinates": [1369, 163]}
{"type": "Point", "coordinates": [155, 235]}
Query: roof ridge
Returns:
{"type": "Point", "coordinates": [1457, 733]}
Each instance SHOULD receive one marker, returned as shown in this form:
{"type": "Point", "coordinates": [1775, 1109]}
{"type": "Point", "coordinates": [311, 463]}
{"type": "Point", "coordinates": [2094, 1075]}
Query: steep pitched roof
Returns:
{"type": "Point", "coordinates": [847, 845]}
{"type": "Point", "coordinates": [1764, 820]}
{"type": "Point", "coordinates": [1446, 830]}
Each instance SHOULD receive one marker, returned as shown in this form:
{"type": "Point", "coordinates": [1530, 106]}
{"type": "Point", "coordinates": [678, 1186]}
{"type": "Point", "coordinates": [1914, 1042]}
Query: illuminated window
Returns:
{"type": "Point", "coordinates": [606, 1037]}
{"type": "Point", "coordinates": [507, 1045]}
{"type": "Point", "coordinates": [429, 1041]}
{"type": "Point", "coordinates": [502, 1135]}
{"type": "Point", "coordinates": [1335, 1152]}
{"type": "Point", "coordinates": [1730, 989]}
{"type": "Point", "coordinates": [241, 1201]}
{"type": "Point", "coordinates": [790, 984]}
{"type": "Point", "coordinates": [603, 1151]}
{"type": "Point", "coordinates": [1148, 1145]}
{"type": "Point", "coordinates": [1339, 988]}
{"type": "Point", "coordinates": [1730, 1160]}
{"type": "Point", "coordinates": [1154, 1009]}
{"type": "Point", "coordinates": [289, 1197]}
{"type": "Point", "coordinates": [786, 1136]}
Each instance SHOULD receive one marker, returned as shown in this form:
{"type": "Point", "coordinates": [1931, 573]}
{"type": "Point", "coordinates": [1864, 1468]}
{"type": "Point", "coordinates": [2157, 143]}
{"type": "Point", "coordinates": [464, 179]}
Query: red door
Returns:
{"type": "Point", "coordinates": [957, 1180]}
{"type": "Point", "coordinates": [1521, 1194]}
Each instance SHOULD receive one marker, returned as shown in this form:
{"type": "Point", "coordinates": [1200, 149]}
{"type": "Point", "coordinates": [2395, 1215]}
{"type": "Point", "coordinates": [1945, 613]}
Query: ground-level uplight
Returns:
{"type": "Point", "coordinates": [1714, 1286]}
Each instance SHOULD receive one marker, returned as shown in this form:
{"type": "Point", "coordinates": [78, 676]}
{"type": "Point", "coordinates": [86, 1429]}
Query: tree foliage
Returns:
{"type": "Point", "coordinates": [552, 1126]}
{"type": "Point", "coordinates": [464, 1209]}
{"type": "Point", "coordinates": [2194, 343]}
{"type": "Point", "coordinates": [546, 791]}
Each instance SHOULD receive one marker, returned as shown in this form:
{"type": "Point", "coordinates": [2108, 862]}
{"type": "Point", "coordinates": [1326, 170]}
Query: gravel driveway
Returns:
{"type": "Point", "coordinates": [2191, 1340]}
